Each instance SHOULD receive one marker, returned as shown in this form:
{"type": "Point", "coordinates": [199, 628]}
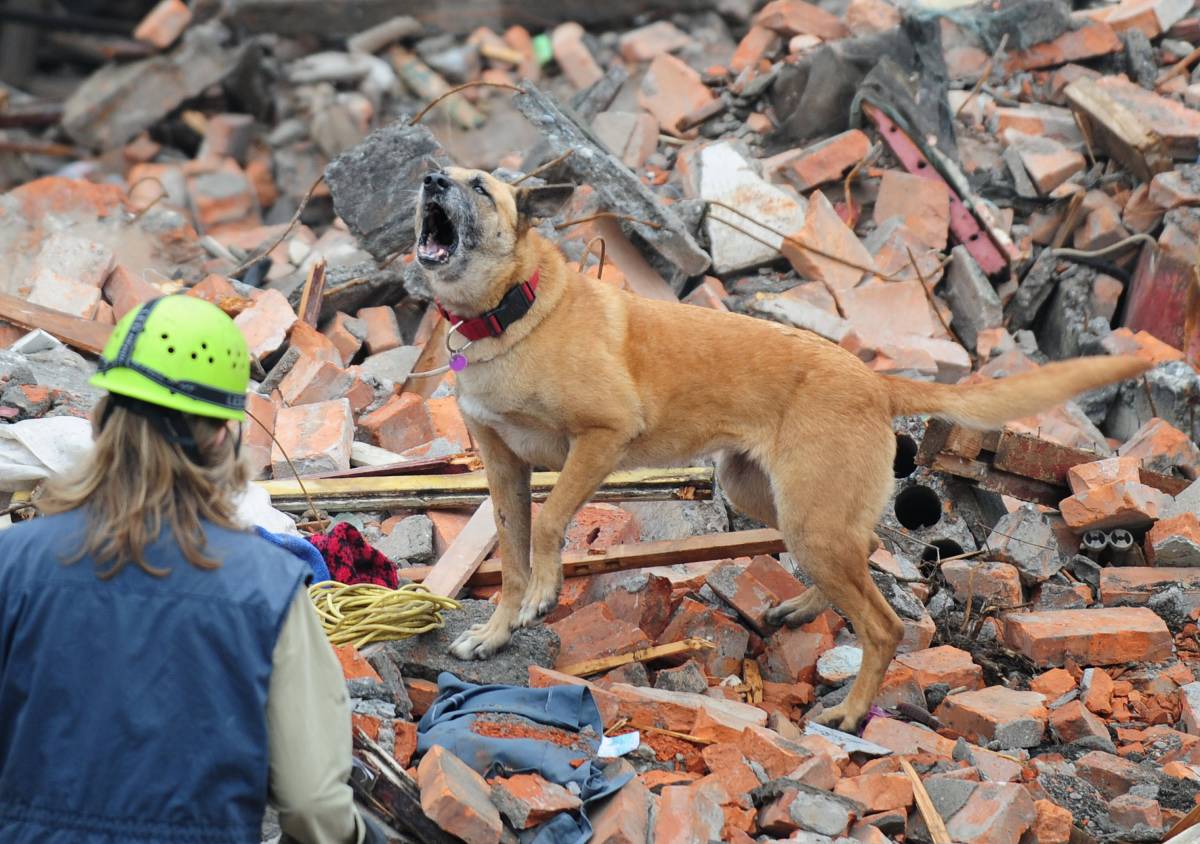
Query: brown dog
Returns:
{"type": "Point", "coordinates": [585, 379]}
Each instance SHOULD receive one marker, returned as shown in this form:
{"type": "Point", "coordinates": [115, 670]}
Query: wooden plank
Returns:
{"type": "Point", "coordinates": [82, 334]}
{"type": "Point", "coordinates": [1119, 132]}
{"type": "Point", "coordinates": [1040, 460]}
{"type": "Point", "coordinates": [753, 678]}
{"type": "Point", "coordinates": [596, 666]}
{"type": "Point", "coordinates": [472, 545]}
{"type": "Point", "coordinates": [314, 290]}
{"type": "Point", "coordinates": [470, 488]}
{"type": "Point", "coordinates": [694, 549]}
{"type": "Point", "coordinates": [929, 813]}
{"type": "Point", "coordinates": [382, 785]}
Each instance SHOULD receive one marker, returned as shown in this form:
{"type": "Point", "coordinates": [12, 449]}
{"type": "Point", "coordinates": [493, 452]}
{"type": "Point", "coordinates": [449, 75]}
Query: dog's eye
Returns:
{"type": "Point", "coordinates": [479, 189]}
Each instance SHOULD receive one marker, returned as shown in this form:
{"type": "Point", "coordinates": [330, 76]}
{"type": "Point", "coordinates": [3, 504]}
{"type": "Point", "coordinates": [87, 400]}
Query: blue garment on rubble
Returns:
{"type": "Point", "coordinates": [133, 709]}
{"type": "Point", "coordinates": [448, 724]}
{"type": "Point", "coordinates": [302, 548]}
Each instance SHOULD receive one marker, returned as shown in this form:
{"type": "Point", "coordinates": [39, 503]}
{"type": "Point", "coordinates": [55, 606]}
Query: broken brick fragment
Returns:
{"type": "Point", "coordinates": [996, 713]}
{"type": "Point", "coordinates": [1123, 504]}
{"type": "Point", "coordinates": [1108, 636]}
{"type": "Point", "coordinates": [672, 90]}
{"type": "Point", "coordinates": [945, 664]}
{"type": "Point", "coordinates": [527, 800]}
{"type": "Point", "coordinates": [877, 792]}
{"type": "Point", "coordinates": [592, 632]}
{"type": "Point", "coordinates": [400, 423]}
{"type": "Point", "coordinates": [316, 437]}
{"type": "Point", "coordinates": [1072, 722]}
{"type": "Point", "coordinates": [457, 799]}
{"type": "Point", "coordinates": [163, 24]}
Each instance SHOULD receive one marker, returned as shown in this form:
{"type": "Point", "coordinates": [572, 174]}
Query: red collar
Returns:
{"type": "Point", "coordinates": [515, 304]}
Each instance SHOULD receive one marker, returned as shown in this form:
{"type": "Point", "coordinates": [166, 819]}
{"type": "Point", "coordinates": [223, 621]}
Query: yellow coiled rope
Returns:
{"type": "Point", "coordinates": [362, 613]}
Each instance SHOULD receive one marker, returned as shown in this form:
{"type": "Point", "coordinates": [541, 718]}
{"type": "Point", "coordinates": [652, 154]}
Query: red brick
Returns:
{"type": "Point", "coordinates": [825, 230]}
{"type": "Point", "coordinates": [125, 290]}
{"type": "Point", "coordinates": [347, 334]}
{"type": "Point", "coordinates": [354, 666]}
{"type": "Point", "coordinates": [671, 90]}
{"type": "Point", "coordinates": [877, 792]}
{"type": "Point", "coordinates": [1048, 162]}
{"type": "Point", "coordinates": [1137, 583]}
{"type": "Point", "coordinates": [1141, 214]}
{"type": "Point", "coordinates": [215, 289]}
{"type": "Point", "coordinates": [897, 302]}
{"type": "Point", "coordinates": [1090, 637]}
{"type": "Point", "coordinates": [1100, 228]}
{"type": "Point", "coordinates": [995, 813]}
{"type": "Point", "coordinates": [1129, 811]}
{"type": "Point", "coordinates": [819, 770]}
{"type": "Point", "coordinates": [777, 755]}
{"type": "Point", "coordinates": [865, 17]}
{"type": "Point", "coordinates": [165, 23]}
{"type": "Point", "coordinates": [1145, 345]}
{"type": "Point", "coordinates": [266, 323]}
{"type": "Point", "coordinates": [1111, 774]}
{"type": "Point", "coordinates": [457, 799]}
{"type": "Point", "coordinates": [1175, 541]}
{"type": "Point", "coordinates": [727, 760]}
{"type": "Point", "coordinates": [686, 816]}
{"type": "Point", "coordinates": [633, 138]}
{"type": "Point", "coordinates": [623, 818]}
{"type": "Point", "coordinates": [1072, 721]}
{"type": "Point", "coordinates": [383, 329]}
{"type": "Point", "coordinates": [316, 436]}
{"type": "Point", "coordinates": [694, 619]}
{"type": "Point", "coordinates": [1053, 683]}
{"type": "Point", "coordinates": [643, 600]}
{"type": "Point", "coordinates": [228, 135]}
{"type": "Point", "coordinates": [1122, 504]}
{"type": "Point", "coordinates": [1016, 719]}
{"type": "Point", "coordinates": [405, 745]}
{"type": "Point", "coordinates": [795, 17]}
{"type": "Point", "coordinates": [1160, 446]}
{"type": "Point", "coordinates": [754, 588]}
{"type": "Point", "coordinates": [448, 422]}
{"type": "Point", "coordinates": [574, 59]}
{"type": "Point", "coordinates": [221, 195]}
{"type": "Point", "coordinates": [592, 632]}
{"type": "Point", "coordinates": [1089, 41]}
{"type": "Point", "coordinates": [999, 583]}
{"type": "Point", "coordinates": [791, 655]}
{"type": "Point", "coordinates": [1052, 824]}
{"type": "Point", "coordinates": [945, 664]}
{"type": "Point", "coordinates": [646, 42]}
{"type": "Point", "coordinates": [527, 800]}
{"type": "Point", "coordinates": [710, 293]}
{"type": "Point", "coordinates": [827, 161]}
{"type": "Point", "coordinates": [758, 43]}
{"type": "Point", "coordinates": [923, 204]}
{"type": "Point", "coordinates": [311, 380]}
{"type": "Point", "coordinates": [308, 341]}
{"type": "Point", "coordinates": [65, 295]}
{"type": "Point", "coordinates": [1089, 476]}
{"type": "Point", "coordinates": [1096, 691]}
{"type": "Point", "coordinates": [401, 423]}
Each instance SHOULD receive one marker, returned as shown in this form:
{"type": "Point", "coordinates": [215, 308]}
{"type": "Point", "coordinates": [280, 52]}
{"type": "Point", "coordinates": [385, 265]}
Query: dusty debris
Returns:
{"type": "Point", "coordinates": [948, 193]}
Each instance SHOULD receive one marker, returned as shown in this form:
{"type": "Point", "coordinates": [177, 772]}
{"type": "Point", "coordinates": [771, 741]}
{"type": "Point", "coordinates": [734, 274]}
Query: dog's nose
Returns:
{"type": "Point", "coordinates": [437, 183]}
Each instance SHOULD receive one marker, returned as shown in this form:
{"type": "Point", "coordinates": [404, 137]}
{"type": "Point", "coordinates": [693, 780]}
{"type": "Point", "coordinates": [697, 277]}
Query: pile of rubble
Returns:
{"type": "Point", "coordinates": [949, 191]}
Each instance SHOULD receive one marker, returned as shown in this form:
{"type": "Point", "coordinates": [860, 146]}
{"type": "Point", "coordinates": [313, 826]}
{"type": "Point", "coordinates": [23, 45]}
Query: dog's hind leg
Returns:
{"type": "Point", "coordinates": [748, 489]}
{"type": "Point", "coordinates": [508, 483]}
{"type": "Point", "coordinates": [592, 456]}
{"type": "Point", "coordinates": [829, 493]}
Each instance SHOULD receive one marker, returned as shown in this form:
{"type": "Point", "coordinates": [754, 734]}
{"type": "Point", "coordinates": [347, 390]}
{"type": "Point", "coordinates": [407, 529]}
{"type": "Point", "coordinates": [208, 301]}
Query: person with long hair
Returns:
{"type": "Point", "coordinates": [163, 674]}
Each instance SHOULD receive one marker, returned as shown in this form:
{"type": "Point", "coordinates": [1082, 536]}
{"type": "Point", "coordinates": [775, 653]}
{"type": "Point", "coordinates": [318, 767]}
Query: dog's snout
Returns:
{"type": "Point", "coordinates": [437, 183]}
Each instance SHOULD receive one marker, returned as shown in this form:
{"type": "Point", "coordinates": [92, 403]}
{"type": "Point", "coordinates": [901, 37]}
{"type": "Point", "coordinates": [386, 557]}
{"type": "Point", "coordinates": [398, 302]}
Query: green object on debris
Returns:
{"type": "Point", "coordinates": [543, 50]}
{"type": "Point", "coordinates": [178, 352]}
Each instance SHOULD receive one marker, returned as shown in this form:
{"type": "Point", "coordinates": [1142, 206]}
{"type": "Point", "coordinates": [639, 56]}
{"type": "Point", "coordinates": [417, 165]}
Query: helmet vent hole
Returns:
{"type": "Point", "coordinates": [164, 336]}
{"type": "Point", "coordinates": [170, 350]}
{"type": "Point", "coordinates": [193, 355]}
{"type": "Point", "coordinates": [204, 345]}
{"type": "Point", "coordinates": [210, 360]}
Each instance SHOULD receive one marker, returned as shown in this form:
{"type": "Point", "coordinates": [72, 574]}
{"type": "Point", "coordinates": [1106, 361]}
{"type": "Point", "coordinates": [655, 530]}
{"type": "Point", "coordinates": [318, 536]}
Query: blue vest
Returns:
{"type": "Point", "coordinates": [134, 709]}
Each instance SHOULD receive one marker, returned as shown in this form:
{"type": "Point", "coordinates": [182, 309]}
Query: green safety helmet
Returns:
{"type": "Point", "coordinates": [181, 353]}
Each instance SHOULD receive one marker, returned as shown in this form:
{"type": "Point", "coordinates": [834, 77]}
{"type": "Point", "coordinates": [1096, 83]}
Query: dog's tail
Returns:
{"type": "Point", "coordinates": [992, 403]}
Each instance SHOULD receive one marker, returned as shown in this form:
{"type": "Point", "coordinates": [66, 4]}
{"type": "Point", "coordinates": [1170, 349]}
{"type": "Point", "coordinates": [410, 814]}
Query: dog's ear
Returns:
{"type": "Point", "coordinates": [543, 201]}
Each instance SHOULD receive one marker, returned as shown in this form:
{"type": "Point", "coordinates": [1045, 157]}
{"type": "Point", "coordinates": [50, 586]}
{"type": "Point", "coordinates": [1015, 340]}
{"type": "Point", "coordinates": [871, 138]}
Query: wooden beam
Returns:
{"type": "Point", "coordinates": [314, 290]}
{"type": "Point", "coordinates": [929, 813]}
{"type": "Point", "coordinates": [642, 555]}
{"type": "Point", "coordinates": [82, 334]}
{"type": "Point", "coordinates": [472, 545]}
{"type": "Point", "coordinates": [467, 490]}
{"type": "Point", "coordinates": [596, 666]}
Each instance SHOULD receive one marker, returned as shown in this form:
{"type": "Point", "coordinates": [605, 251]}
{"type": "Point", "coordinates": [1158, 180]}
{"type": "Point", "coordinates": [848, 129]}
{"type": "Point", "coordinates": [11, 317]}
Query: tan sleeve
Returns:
{"type": "Point", "coordinates": [308, 730]}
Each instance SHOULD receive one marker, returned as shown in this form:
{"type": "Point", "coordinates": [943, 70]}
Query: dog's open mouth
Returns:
{"type": "Point", "coordinates": [439, 238]}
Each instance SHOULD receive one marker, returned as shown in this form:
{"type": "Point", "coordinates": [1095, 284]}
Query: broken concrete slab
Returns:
{"type": "Point", "coordinates": [671, 248]}
{"type": "Point", "coordinates": [971, 297]}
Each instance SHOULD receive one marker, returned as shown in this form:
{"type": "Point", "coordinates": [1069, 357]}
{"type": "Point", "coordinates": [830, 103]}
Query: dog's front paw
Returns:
{"type": "Point", "coordinates": [481, 641]}
{"type": "Point", "coordinates": [539, 600]}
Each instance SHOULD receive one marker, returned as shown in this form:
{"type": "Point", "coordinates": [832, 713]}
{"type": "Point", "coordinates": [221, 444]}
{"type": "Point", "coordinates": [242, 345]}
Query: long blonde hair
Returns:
{"type": "Point", "coordinates": [136, 482]}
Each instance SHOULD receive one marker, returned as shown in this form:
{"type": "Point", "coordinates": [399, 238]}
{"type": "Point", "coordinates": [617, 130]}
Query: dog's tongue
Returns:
{"type": "Point", "coordinates": [433, 251]}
